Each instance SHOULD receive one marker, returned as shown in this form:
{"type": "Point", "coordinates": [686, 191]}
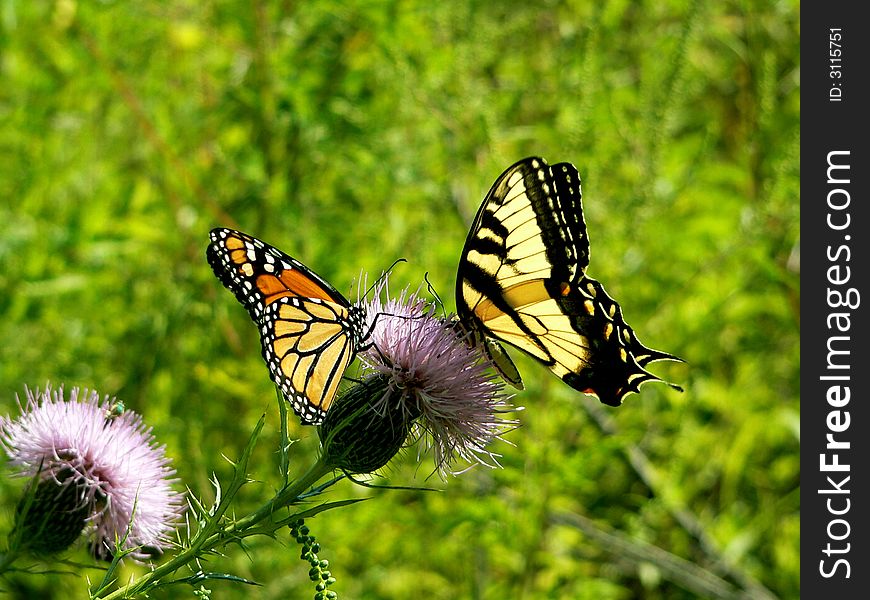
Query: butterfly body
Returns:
{"type": "Point", "coordinates": [309, 332]}
{"type": "Point", "coordinates": [522, 280]}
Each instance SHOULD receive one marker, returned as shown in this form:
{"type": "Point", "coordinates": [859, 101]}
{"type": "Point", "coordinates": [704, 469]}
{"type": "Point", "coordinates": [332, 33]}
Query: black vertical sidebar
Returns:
{"type": "Point", "coordinates": [835, 300]}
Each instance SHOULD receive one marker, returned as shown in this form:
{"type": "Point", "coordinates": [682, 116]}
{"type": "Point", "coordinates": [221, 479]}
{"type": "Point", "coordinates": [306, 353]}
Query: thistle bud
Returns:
{"type": "Point", "coordinates": [360, 434]}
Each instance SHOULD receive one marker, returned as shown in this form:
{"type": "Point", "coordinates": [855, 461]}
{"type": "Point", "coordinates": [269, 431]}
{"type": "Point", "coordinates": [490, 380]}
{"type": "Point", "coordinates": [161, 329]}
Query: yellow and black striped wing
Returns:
{"type": "Point", "coordinates": [522, 280]}
{"type": "Point", "coordinates": [308, 331]}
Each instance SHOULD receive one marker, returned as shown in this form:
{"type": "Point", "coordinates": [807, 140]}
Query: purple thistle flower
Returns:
{"type": "Point", "coordinates": [435, 378]}
{"type": "Point", "coordinates": [108, 456]}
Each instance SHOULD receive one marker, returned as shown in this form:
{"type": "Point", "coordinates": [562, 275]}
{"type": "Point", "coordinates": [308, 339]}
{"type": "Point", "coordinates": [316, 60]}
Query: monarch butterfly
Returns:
{"type": "Point", "coordinates": [522, 280]}
{"type": "Point", "coordinates": [309, 332]}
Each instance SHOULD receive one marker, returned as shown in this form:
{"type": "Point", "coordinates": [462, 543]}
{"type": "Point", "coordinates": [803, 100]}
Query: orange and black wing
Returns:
{"type": "Point", "coordinates": [308, 330]}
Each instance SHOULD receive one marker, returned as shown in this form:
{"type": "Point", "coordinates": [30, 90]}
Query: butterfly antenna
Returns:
{"type": "Point", "coordinates": [384, 275]}
{"type": "Point", "coordinates": [431, 289]}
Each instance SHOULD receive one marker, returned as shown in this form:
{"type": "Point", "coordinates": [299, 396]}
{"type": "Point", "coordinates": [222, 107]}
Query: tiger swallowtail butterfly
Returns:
{"type": "Point", "coordinates": [522, 280]}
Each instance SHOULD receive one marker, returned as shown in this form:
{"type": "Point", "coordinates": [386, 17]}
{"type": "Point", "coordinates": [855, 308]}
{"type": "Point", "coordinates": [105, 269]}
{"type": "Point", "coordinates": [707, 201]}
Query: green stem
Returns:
{"type": "Point", "coordinates": [201, 544]}
{"type": "Point", "coordinates": [283, 498]}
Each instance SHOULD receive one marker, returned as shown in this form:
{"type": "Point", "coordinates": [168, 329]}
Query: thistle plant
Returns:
{"type": "Point", "coordinates": [91, 473]}
{"type": "Point", "coordinates": [97, 473]}
{"type": "Point", "coordinates": [435, 381]}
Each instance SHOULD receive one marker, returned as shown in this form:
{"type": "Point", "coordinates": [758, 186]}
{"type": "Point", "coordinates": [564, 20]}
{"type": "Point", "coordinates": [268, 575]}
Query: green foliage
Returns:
{"type": "Point", "coordinates": [350, 134]}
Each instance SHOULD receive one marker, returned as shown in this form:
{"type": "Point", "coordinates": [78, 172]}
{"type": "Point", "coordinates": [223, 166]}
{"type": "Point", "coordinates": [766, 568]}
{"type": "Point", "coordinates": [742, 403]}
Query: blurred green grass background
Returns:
{"type": "Point", "coordinates": [351, 134]}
